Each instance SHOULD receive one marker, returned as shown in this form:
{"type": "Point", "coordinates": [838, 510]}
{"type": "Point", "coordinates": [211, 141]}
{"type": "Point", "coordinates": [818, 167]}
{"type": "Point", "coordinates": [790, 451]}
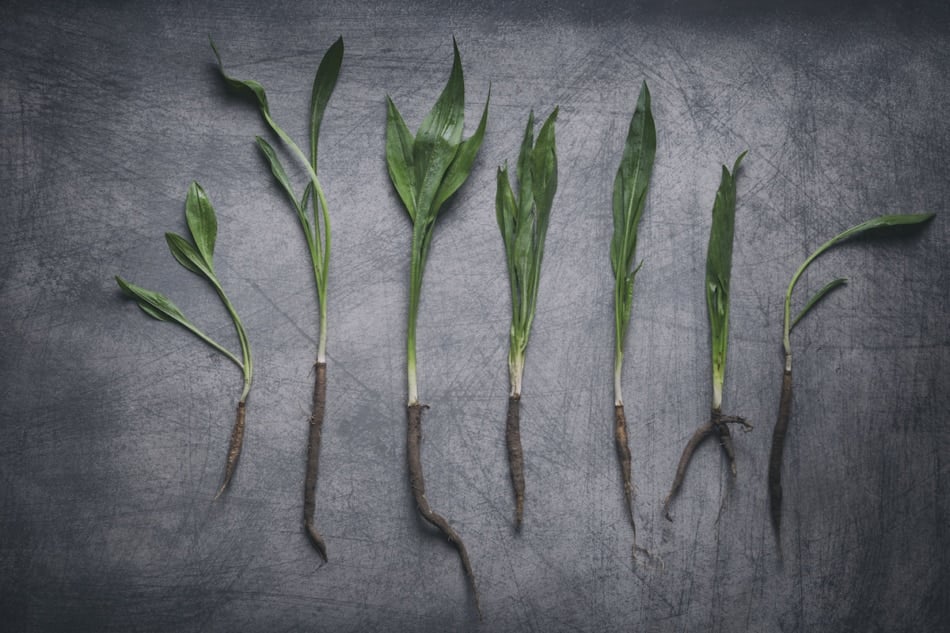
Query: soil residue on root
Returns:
{"type": "Point", "coordinates": [515, 455]}
{"type": "Point", "coordinates": [234, 448]}
{"type": "Point", "coordinates": [775, 455]}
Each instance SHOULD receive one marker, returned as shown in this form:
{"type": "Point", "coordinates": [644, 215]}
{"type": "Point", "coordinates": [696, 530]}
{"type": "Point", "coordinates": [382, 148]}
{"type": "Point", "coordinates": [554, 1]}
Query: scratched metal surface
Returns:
{"type": "Point", "coordinates": [114, 426]}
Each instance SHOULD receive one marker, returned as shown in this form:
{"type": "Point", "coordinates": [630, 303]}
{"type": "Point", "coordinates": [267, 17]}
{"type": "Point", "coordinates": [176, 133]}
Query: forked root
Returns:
{"type": "Point", "coordinates": [717, 424]}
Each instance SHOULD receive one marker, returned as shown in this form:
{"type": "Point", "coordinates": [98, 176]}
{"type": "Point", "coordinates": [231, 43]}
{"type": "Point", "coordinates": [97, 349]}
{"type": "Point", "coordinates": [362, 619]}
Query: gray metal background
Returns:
{"type": "Point", "coordinates": [114, 427]}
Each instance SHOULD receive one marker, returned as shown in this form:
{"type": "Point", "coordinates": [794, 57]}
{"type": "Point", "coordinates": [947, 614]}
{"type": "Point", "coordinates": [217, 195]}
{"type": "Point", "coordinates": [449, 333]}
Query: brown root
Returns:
{"type": "Point", "coordinates": [717, 424]}
{"type": "Point", "coordinates": [515, 455]}
{"type": "Point", "coordinates": [417, 482]}
{"type": "Point", "coordinates": [775, 455]}
{"type": "Point", "coordinates": [313, 457]}
{"type": "Point", "coordinates": [623, 454]}
{"type": "Point", "coordinates": [234, 448]}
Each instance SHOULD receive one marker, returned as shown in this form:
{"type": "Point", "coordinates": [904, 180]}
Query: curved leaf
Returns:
{"type": "Point", "coordinates": [323, 84]}
{"type": "Point", "coordinates": [831, 285]}
{"type": "Point", "coordinates": [186, 255]}
{"type": "Point", "coordinates": [461, 167]}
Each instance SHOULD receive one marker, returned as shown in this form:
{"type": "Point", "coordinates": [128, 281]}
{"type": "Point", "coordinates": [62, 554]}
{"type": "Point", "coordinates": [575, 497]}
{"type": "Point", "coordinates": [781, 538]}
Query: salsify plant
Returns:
{"type": "Point", "coordinates": [426, 170]}
{"type": "Point", "coordinates": [718, 281]}
{"type": "Point", "coordinates": [629, 199]}
{"type": "Point", "coordinates": [785, 401]}
{"type": "Point", "coordinates": [318, 243]}
{"type": "Point", "coordinates": [198, 257]}
{"type": "Point", "coordinates": [524, 225]}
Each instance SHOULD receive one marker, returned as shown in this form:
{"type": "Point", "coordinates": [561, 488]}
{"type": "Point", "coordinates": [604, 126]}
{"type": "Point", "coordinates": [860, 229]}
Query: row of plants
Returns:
{"type": "Point", "coordinates": [426, 169]}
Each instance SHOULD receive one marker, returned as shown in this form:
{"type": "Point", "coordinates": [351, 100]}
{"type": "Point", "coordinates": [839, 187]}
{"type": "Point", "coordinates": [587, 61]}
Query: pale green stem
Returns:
{"type": "Point", "coordinates": [515, 368]}
{"type": "Point", "coordinates": [207, 339]}
{"type": "Point", "coordinates": [618, 371]}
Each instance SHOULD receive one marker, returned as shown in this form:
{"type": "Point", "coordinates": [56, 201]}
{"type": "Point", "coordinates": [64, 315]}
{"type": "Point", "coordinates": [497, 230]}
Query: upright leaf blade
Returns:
{"type": "Point", "coordinates": [400, 160]}
{"type": "Point", "coordinates": [719, 269]}
{"type": "Point", "coordinates": [323, 84]}
{"type": "Point", "coordinates": [201, 222]}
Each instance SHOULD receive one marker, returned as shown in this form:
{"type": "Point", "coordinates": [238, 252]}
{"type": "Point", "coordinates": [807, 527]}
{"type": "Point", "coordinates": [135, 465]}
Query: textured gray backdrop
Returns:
{"type": "Point", "coordinates": [114, 426]}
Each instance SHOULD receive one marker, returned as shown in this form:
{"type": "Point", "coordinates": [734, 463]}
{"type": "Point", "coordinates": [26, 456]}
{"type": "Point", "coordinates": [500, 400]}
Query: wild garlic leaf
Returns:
{"type": "Point", "coordinates": [399, 157]}
{"type": "Point", "coordinates": [187, 256]}
{"type": "Point", "coordinates": [201, 222]}
{"type": "Point", "coordinates": [323, 84]}
{"type": "Point", "coordinates": [719, 264]}
{"type": "Point", "coordinates": [831, 285]}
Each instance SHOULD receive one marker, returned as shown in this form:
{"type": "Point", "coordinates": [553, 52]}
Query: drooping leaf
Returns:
{"type": "Point", "coordinates": [256, 89]}
{"type": "Point", "coordinates": [186, 255]}
{"type": "Point", "coordinates": [399, 157]}
{"type": "Point", "coordinates": [880, 222]}
{"type": "Point", "coordinates": [831, 285]}
{"type": "Point", "coordinates": [201, 222]}
{"type": "Point", "coordinates": [323, 84]}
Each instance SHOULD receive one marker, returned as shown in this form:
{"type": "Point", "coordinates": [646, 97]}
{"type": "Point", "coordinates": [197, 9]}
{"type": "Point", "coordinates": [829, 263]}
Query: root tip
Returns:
{"type": "Point", "coordinates": [318, 543]}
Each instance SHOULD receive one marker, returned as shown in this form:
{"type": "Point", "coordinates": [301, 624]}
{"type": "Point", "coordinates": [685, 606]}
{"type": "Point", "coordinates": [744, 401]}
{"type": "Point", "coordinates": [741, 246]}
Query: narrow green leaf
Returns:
{"type": "Point", "coordinates": [186, 255]}
{"type": "Point", "coordinates": [323, 84]}
{"type": "Point", "coordinates": [631, 183]}
{"type": "Point", "coordinates": [399, 157]}
{"type": "Point", "coordinates": [152, 312]}
{"type": "Point", "coordinates": [523, 167]}
{"type": "Point", "coordinates": [818, 297]}
{"type": "Point", "coordinates": [883, 221]}
{"type": "Point", "coordinates": [461, 166]}
{"type": "Point", "coordinates": [201, 222]}
{"type": "Point", "coordinates": [719, 265]}
{"type": "Point", "coordinates": [277, 169]}
{"type": "Point", "coordinates": [544, 172]}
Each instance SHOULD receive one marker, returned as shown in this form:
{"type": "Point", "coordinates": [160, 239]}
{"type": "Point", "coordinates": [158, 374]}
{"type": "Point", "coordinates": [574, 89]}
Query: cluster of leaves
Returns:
{"type": "Point", "coordinates": [318, 240]}
{"type": "Point", "coordinates": [719, 273]}
{"type": "Point", "coordinates": [629, 200]}
{"type": "Point", "coordinates": [524, 225]}
{"type": "Point", "coordinates": [426, 170]}
{"type": "Point", "coordinates": [198, 257]}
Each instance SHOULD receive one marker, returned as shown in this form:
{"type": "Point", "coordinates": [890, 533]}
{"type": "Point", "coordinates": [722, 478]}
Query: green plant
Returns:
{"type": "Point", "coordinates": [318, 243]}
{"type": "Point", "coordinates": [197, 256]}
{"type": "Point", "coordinates": [426, 170]}
{"type": "Point", "coordinates": [718, 282]}
{"type": "Point", "coordinates": [524, 225]}
{"type": "Point", "coordinates": [785, 401]}
{"type": "Point", "coordinates": [629, 199]}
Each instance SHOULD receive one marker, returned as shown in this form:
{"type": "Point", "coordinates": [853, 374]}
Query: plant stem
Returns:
{"type": "Point", "coordinates": [618, 374]}
{"type": "Point", "coordinates": [248, 365]}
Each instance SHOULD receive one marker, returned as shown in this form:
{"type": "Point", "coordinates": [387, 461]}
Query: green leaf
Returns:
{"type": "Point", "coordinates": [323, 84]}
{"type": "Point", "coordinates": [154, 304]}
{"type": "Point", "coordinates": [719, 265]}
{"type": "Point", "coordinates": [818, 297]}
{"type": "Point", "coordinates": [544, 172]}
{"type": "Point", "coordinates": [631, 183]}
{"type": "Point", "coordinates": [399, 157]}
{"type": "Point", "coordinates": [461, 166]}
{"type": "Point", "coordinates": [256, 89]}
{"type": "Point", "coordinates": [437, 142]}
{"type": "Point", "coordinates": [880, 222]}
{"type": "Point", "coordinates": [201, 222]}
{"type": "Point", "coordinates": [187, 256]}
